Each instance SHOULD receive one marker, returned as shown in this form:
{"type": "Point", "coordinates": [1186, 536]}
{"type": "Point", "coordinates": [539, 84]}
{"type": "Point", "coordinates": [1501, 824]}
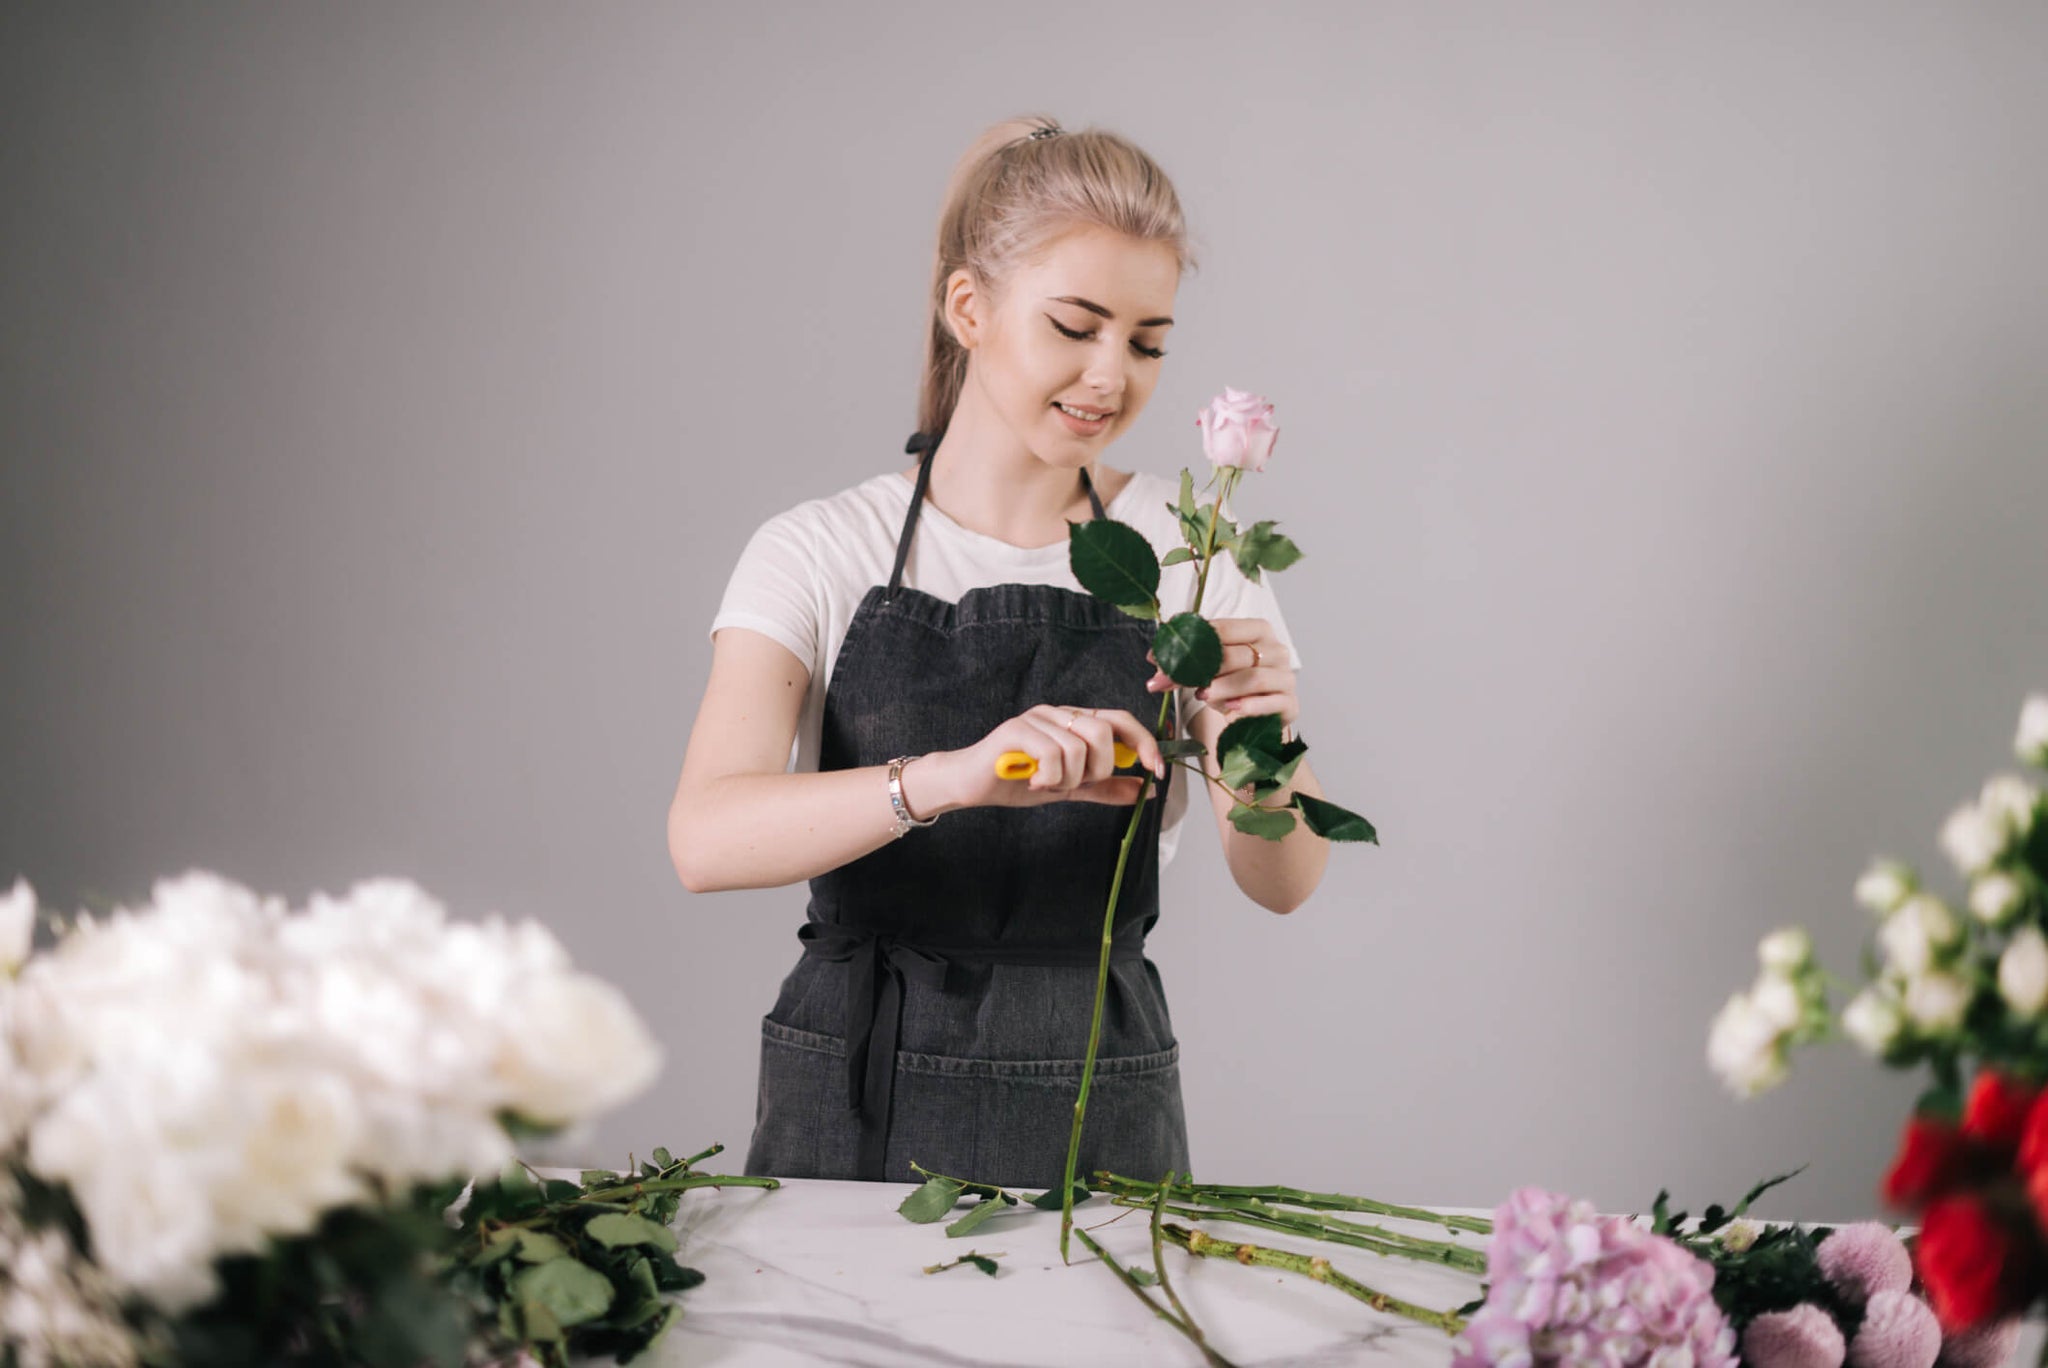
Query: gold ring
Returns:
{"type": "Point", "coordinates": [1255, 657]}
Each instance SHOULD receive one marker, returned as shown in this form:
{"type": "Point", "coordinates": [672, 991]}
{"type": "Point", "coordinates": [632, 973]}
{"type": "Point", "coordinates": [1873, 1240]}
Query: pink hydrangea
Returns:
{"type": "Point", "coordinates": [1988, 1346]}
{"type": "Point", "coordinates": [1865, 1258]}
{"type": "Point", "coordinates": [1899, 1331]}
{"type": "Point", "coordinates": [1569, 1286]}
{"type": "Point", "coordinates": [1804, 1337]}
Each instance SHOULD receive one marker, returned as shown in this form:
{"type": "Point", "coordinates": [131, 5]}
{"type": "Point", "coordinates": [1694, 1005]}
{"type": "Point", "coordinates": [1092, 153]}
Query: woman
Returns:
{"type": "Point", "coordinates": [939, 1012]}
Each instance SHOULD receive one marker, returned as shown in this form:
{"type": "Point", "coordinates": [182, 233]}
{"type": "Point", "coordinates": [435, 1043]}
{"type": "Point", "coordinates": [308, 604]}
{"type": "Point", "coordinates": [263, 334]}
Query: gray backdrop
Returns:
{"type": "Point", "coordinates": [389, 389]}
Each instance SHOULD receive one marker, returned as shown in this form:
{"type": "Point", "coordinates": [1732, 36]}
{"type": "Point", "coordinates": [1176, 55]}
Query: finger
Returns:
{"type": "Point", "coordinates": [1120, 791]}
{"type": "Point", "coordinates": [1233, 684]}
{"type": "Point", "coordinates": [1099, 761]}
{"type": "Point", "coordinates": [1073, 751]}
{"type": "Point", "coordinates": [1126, 728]}
{"type": "Point", "coordinates": [1252, 705]}
{"type": "Point", "coordinates": [1045, 747]}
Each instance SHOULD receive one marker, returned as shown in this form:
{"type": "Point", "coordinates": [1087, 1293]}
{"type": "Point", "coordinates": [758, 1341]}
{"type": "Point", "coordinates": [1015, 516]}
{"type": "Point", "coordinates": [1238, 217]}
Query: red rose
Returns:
{"type": "Point", "coordinates": [1932, 1157]}
{"type": "Point", "coordinates": [1999, 1109]}
{"type": "Point", "coordinates": [1964, 1257]}
{"type": "Point", "coordinates": [2034, 1137]}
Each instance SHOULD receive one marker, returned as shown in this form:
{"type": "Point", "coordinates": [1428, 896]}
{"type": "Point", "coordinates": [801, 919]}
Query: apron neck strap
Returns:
{"type": "Point", "coordinates": [927, 445]}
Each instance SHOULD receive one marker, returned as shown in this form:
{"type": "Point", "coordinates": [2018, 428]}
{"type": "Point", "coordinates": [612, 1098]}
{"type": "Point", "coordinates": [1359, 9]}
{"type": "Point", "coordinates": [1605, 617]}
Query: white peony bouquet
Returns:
{"type": "Point", "coordinates": [201, 1078]}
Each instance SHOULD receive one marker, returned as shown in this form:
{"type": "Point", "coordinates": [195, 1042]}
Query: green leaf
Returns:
{"type": "Point", "coordinates": [1114, 562]}
{"type": "Point", "coordinates": [1049, 1200]}
{"type": "Point", "coordinates": [600, 1178]}
{"type": "Point", "coordinates": [1176, 556]}
{"type": "Point", "coordinates": [1186, 507]}
{"type": "Point", "coordinates": [662, 1157]}
{"type": "Point", "coordinates": [1188, 649]}
{"type": "Point", "coordinates": [565, 1289]}
{"type": "Point", "coordinates": [1334, 823]}
{"type": "Point", "coordinates": [1767, 1184]}
{"type": "Point", "coordinates": [616, 1228]}
{"type": "Point", "coordinates": [1250, 749]}
{"type": "Point", "coordinates": [930, 1202]}
{"type": "Point", "coordinates": [988, 1207]}
{"type": "Point", "coordinates": [561, 1190]}
{"type": "Point", "coordinates": [1142, 1276]}
{"type": "Point", "coordinates": [1266, 823]}
{"type": "Point", "coordinates": [537, 1246]}
{"type": "Point", "coordinates": [982, 1262]}
{"type": "Point", "coordinates": [1261, 548]}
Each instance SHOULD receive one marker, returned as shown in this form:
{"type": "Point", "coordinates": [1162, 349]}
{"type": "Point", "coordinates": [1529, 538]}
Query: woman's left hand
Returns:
{"type": "Point", "coordinates": [1255, 677]}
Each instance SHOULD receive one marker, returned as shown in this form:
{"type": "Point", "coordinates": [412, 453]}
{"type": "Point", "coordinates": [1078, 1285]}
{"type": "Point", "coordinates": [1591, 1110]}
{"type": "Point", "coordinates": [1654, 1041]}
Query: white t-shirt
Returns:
{"type": "Point", "coordinates": [806, 569]}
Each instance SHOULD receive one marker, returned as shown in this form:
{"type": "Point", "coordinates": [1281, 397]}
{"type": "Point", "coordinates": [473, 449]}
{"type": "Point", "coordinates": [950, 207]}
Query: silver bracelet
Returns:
{"type": "Point", "coordinates": [904, 821]}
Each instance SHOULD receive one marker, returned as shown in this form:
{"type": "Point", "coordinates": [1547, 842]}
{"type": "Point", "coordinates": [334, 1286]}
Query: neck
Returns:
{"type": "Point", "coordinates": [988, 482]}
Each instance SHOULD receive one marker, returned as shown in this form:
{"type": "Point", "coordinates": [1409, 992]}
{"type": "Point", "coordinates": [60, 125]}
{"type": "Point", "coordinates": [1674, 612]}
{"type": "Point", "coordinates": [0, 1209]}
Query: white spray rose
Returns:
{"type": "Point", "coordinates": [1973, 838]}
{"type": "Point", "coordinates": [2011, 802]}
{"type": "Point", "coordinates": [1776, 998]}
{"type": "Point", "coordinates": [17, 926]}
{"type": "Point", "coordinates": [1743, 1048]}
{"type": "Point", "coordinates": [2031, 745]}
{"type": "Point", "coordinates": [1918, 932]}
{"type": "Point", "coordinates": [2023, 972]}
{"type": "Point", "coordinates": [1739, 1234]}
{"type": "Point", "coordinates": [1885, 885]}
{"type": "Point", "coordinates": [1873, 1020]}
{"type": "Point", "coordinates": [1786, 951]}
{"type": "Point", "coordinates": [1936, 1002]}
{"type": "Point", "coordinates": [1995, 897]}
{"type": "Point", "coordinates": [573, 1046]}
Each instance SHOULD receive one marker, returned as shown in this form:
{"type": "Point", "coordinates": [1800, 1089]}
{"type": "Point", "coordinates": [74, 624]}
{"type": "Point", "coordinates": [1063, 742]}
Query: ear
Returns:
{"type": "Point", "coordinates": [964, 308]}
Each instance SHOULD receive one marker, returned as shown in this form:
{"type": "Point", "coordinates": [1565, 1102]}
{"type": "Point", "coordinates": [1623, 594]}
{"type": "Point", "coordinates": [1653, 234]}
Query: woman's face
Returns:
{"type": "Point", "coordinates": [1082, 326]}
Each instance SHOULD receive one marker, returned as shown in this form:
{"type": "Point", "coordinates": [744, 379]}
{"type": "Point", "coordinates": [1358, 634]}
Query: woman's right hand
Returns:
{"type": "Point", "coordinates": [1075, 764]}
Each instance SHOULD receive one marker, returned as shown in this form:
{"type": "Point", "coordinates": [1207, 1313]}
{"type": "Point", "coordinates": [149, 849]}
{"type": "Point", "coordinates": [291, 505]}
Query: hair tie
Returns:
{"type": "Point", "coordinates": [1037, 133]}
{"type": "Point", "coordinates": [919, 442]}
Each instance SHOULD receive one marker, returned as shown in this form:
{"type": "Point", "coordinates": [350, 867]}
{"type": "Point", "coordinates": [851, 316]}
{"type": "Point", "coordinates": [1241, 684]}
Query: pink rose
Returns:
{"type": "Point", "coordinates": [1238, 429]}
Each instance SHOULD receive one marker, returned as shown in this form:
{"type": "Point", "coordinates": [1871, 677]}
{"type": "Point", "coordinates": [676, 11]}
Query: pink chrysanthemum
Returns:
{"type": "Point", "coordinates": [1864, 1259]}
{"type": "Point", "coordinates": [1569, 1286]}
{"type": "Point", "coordinates": [1990, 1345]}
{"type": "Point", "coordinates": [1804, 1337]}
{"type": "Point", "coordinates": [1899, 1331]}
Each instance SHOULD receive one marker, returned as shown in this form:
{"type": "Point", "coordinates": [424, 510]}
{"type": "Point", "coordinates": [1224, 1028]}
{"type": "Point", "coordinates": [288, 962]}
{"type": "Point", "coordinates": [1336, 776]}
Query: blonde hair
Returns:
{"type": "Point", "coordinates": [1009, 198]}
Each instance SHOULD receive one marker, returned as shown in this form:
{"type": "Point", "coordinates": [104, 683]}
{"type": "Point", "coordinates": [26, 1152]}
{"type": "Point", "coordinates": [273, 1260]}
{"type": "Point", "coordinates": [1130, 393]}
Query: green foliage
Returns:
{"type": "Point", "coordinates": [987, 1207]}
{"type": "Point", "coordinates": [1776, 1273]}
{"type": "Point", "coordinates": [1261, 548]}
{"type": "Point", "coordinates": [985, 1262]}
{"type": "Point", "coordinates": [1334, 823]}
{"type": "Point", "coordinates": [1188, 650]}
{"type": "Point", "coordinates": [1114, 562]}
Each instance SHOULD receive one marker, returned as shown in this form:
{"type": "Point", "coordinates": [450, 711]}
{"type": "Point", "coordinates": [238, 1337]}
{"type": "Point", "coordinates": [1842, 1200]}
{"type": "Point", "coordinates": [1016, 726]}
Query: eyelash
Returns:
{"type": "Point", "coordinates": [1153, 352]}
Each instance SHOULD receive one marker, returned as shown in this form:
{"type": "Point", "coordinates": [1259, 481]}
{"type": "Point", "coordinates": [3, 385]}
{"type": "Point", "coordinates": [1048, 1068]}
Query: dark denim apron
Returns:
{"type": "Point", "coordinates": [940, 1010]}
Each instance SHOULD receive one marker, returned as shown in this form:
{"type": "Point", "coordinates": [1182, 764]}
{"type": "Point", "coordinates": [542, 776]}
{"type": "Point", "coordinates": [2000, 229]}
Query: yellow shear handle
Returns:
{"type": "Point", "coordinates": [1018, 765]}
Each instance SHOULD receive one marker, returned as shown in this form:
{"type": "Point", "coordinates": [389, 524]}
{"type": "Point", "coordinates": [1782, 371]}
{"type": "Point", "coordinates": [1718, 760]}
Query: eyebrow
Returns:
{"type": "Point", "coordinates": [1092, 307]}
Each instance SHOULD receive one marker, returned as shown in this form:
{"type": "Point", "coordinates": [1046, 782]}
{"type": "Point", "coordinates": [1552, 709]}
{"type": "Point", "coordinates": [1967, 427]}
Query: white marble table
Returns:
{"type": "Point", "coordinates": [828, 1272]}
{"type": "Point", "coordinates": [818, 1272]}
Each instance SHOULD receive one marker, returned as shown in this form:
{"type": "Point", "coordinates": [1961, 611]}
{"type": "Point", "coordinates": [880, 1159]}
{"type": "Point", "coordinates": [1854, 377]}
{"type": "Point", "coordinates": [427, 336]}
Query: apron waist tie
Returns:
{"type": "Point", "coordinates": [880, 964]}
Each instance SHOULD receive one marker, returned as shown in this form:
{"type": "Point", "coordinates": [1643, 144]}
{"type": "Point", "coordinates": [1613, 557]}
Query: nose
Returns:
{"type": "Point", "coordinates": [1106, 373]}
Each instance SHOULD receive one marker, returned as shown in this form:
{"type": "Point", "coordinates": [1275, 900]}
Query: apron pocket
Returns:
{"type": "Point", "coordinates": [802, 1125]}
{"type": "Point", "coordinates": [1007, 1121]}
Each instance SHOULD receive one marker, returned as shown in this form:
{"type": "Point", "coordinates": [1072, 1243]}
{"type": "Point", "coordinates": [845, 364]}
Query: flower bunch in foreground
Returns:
{"type": "Point", "coordinates": [1959, 987]}
{"type": "Point", "coordinates": [1569, 1286]}
{"type": "Point", "coordinates": [186, 1083]}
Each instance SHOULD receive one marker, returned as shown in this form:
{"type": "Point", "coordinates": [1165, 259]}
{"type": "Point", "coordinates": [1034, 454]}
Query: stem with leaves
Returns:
{"type": "Point", "coordinates": [1116, 885]}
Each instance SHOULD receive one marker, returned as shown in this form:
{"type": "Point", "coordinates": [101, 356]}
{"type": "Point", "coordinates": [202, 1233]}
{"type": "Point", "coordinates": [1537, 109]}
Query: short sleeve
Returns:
{"type": "Point", "coordinates": [774, 589]}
